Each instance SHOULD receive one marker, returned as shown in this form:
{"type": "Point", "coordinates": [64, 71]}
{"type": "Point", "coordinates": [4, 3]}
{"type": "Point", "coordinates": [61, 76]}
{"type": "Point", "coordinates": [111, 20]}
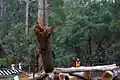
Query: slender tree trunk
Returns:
{"type": "Point", "coordinates": [40, 8]}
{"type": "Point", "coordinates": [40, 14]}
{"type": "Point", "coordinates": [26, 21]}
{"type": "Point", "coordinates": [1, 7]}
{"type": "Point", "coordinates": [43, 11]}
{"type": "Point", "coordinates": [89, 46]}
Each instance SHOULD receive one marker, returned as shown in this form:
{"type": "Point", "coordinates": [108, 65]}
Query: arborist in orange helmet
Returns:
{"type": "Point", "coordinates": [78, 62]}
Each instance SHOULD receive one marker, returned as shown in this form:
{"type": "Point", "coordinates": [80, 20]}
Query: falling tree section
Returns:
{"type": "Point", "coordinates": [43, 34]}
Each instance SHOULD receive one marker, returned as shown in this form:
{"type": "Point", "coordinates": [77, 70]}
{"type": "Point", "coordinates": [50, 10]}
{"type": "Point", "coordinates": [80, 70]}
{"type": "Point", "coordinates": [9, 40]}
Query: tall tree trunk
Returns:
{"type": "Point", "coordinates": [40, 14]}
{"type": "Point", "coordinates": [89, 46]}
{"type": "Point", "coordinates": [45, 49]}
{"type": "Point", "coordinates": [2, 52]}
{"type": "Point", "coordinates": [26, 21]}
{"type": "Point", "coordinates": [43, 11]}
{"type": "Point", "coordinates": [1, 9]}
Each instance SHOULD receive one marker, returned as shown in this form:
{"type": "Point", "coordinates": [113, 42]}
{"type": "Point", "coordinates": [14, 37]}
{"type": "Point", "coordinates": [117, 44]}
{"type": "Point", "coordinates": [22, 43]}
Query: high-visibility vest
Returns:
{"type": "Point", "coordinates": [77, 63]}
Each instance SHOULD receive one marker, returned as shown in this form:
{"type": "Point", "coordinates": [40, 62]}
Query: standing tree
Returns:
{"type": "Point", "coordinates": [27, 12]}
{"type": "Point", "coordinates": [1, 7]}
{"type": "Point", "coordinates": [43, 33]}
{"type": "Point", "coordinates": [2, 52]}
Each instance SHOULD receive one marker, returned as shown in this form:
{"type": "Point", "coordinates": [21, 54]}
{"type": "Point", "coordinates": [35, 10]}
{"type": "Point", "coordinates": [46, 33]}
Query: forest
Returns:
{"type": "Point", "coordinates": [88, 29]}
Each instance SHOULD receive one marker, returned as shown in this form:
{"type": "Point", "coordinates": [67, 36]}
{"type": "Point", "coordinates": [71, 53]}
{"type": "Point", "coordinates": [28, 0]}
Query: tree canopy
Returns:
{"type": "Point", "coordinates": [88, 29]}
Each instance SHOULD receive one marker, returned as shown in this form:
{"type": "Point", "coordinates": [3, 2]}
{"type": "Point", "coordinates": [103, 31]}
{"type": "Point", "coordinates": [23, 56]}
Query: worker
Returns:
{"type": "Point", "coordinates": [78, 62]}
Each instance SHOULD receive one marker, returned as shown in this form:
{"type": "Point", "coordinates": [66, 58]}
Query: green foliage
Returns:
{"type": "Point", "coordinates": [3, 62]}
{"type": "Point", "coordinates": [76, 23]}
{"type": "Point", "coordinates": [72, 38]}
{"type": "Point", "coordinates": [15, 45]}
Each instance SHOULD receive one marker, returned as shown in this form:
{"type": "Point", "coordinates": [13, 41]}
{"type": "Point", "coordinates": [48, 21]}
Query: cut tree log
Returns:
{"type": "Point", "coordinates": [83, 68]}
{"type": "Point", "coordinates": [76, 70]}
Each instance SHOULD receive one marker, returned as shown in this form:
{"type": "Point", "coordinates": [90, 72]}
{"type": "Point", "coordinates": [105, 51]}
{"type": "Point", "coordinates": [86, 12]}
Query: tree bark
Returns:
{"type": "Point", "coordinates": [82, 69]}
{"type": "Point", "coordinates": [44, 50]}
{"type": "Point", "coordinates": [44, 44]}
{"type": "Point", "coordinates": [43, 11]}
{"type": "Point", "coordinates": [26, 21]}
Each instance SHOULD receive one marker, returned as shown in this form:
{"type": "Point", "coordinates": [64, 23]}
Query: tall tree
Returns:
{"type": "Point", "coordinates": [27, 17]}
{"type": "Point", "coordinates": [43, 33]}
{"type": "Point", "coordinates": [1, 8]}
